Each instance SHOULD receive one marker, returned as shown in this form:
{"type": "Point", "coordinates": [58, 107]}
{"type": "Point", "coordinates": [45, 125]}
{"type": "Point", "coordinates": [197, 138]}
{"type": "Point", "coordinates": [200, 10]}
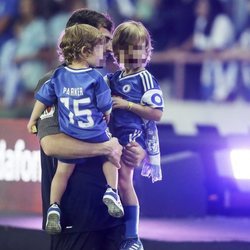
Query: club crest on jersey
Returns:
{"type": "Point", "coordinates": [48, 112]}
{"type": "Point", "coordinates": [126, 88]}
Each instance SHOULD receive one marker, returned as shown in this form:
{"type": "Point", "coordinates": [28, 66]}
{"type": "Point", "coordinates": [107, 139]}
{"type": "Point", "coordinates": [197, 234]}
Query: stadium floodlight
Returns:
{"type": "Point", "coordinates": [240, 162]}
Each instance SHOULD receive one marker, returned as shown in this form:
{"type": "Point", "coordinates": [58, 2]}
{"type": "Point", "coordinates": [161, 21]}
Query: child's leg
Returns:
{"type": "Point", "coordinates": [60, 181]}
{"type": "Point", "coordinates": [111, 197]}
{"type": "Point", "coordinates": [111, 174]}
{"type": "Point", "coordinates": [131, 208]}
{"type": "Point", "coordinates": [58, 186]}
{"type": "Point", "coordinates": [126, 186]}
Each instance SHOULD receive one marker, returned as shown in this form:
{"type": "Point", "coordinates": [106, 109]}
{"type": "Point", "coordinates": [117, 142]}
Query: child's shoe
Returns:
{"type": "Point", "coordinates": [112, 200]}
{"type": "Point", "coordinates": [53, 225]}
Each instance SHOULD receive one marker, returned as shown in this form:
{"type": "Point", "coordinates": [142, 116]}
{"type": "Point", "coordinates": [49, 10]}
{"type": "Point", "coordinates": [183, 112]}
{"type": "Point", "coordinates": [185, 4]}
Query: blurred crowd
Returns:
{"type": "Point", "coordinates": [208, 56]}
{"type": "Point", "coordinates": [201, 47]}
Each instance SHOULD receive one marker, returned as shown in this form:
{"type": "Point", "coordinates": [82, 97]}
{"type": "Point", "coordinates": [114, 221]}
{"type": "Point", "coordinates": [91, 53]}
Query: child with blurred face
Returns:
{"type": "Point", "coordinates": [137, 102]}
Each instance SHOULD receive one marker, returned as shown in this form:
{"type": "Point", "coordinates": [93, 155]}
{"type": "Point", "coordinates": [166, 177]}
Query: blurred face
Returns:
{"type": "Point", "coordinates": [134, 56]}
{"type": "Point", "coordinates": [202, 8]}
{"type": "Point", "coordinates": [96, 59]}
{"type": "Point", "coordinates": [27, 7]}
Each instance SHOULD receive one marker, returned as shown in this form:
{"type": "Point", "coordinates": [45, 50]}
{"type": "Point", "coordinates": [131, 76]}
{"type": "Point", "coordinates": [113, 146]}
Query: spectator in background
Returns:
{"type": "Point", "coordinates": [56, 22]}
{"type": "Point", "coordinates": [60, 13]}
{"type": "Point", "coordinates": [98, 5]}
{"type": "Point", "coordinates": [121, 10]}
{"type": "Point", "coordinates": [213, 32]}
{"type": "Point", "coordinates": [206, 76]}
{"type": "Point", "coordinates": [173, 25]}
{"type": "Point", "coordinates": [22, 55]}
{"type": "Point", "coordinates": [240, 53]}
{"type": "Point", "coordinates": [8, 15]}
{"type": "Point", "coordinates": [174, 22]}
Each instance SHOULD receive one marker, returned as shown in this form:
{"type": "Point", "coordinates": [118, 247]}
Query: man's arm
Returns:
{"type": "Point", "coordinates": [61, 145]}
{"type": "Point", "coordinates": [57, 144]}
{"type": "Point", "coordinates": [133, 154]}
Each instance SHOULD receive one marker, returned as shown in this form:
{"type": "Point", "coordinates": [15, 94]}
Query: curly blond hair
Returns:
{"type": "Point", "coordinates": [78, 41]}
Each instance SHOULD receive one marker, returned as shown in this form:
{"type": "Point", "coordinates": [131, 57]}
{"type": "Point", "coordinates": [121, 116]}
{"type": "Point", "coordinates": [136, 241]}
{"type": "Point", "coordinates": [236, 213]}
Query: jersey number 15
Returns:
{"type": "Point", "coordinates": [87, 120]}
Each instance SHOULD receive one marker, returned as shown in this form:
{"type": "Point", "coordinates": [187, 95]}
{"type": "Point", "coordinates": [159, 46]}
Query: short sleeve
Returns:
{"type": "Point", "coordinates": [152, 93]}
{"type": "Point", "coordinates": [46, 94]}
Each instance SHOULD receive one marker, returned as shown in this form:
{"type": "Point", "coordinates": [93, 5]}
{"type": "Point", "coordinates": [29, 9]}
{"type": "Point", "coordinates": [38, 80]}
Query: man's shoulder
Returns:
{"type": "Point", "coordinates": [46, 77]}
{"type": "Point", "coordinates": [95, 73]}
{"type": "Point", "coordinates": [114, 76]}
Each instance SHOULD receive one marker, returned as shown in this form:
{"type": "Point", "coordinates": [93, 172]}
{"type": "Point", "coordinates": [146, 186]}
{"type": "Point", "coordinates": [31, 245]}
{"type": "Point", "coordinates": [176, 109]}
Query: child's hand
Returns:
{"type": "Point", "coordinates": [107, 118]}
{"type": "Point", "coordinates": [119, 103]}
{"type": "Point", "coordinates": [31, 126]}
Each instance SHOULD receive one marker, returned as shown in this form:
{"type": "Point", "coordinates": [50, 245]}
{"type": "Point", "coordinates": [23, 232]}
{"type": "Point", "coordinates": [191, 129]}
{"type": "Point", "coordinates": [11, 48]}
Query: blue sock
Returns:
{"type": "Point", "coordinates": [131, 219]}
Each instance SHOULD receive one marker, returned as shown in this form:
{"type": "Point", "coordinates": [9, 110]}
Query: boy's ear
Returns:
{"type": "Point", "coordinates": [85, 51]}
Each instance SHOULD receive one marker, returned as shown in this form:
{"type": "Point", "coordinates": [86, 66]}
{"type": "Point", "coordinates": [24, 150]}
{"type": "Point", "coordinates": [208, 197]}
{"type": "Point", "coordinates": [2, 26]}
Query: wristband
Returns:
{"type": "Point", "coordinates": [130, 105]}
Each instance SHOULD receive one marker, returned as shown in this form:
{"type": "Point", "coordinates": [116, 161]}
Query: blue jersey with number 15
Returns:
{"type": "Point", "coordinates": [82, 96]}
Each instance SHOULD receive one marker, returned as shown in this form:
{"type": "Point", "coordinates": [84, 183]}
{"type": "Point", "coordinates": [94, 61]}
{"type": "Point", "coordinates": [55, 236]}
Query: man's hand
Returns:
{"type": "Point", "coordinates": [115, 151]}
{"type": "Point", "coordinates": [133, 154]}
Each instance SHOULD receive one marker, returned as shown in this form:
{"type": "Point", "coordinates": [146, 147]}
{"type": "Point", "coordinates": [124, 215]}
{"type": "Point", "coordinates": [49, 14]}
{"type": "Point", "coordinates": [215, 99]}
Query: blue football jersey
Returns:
{"type": "Point", "coordinates": [141, 88]}
{"type": "Point", "coordinates": [82, 96]}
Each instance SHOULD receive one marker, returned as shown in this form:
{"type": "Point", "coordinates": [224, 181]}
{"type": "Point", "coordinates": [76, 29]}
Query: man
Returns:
{"type": "Point", "coordinates": [85, 220]}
